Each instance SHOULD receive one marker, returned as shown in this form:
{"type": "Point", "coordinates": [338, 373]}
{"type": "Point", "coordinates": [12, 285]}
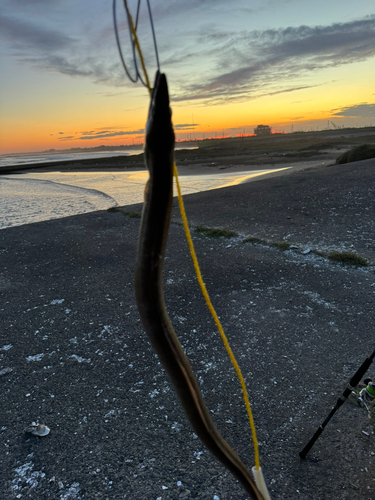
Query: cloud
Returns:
{"type": "Point", "coordinates": [363, 110]}
{"type": "Point", "coordinates": [87, 67]}
{"type": "Point", "coordinates": [185, 126]}
{"type": "Point", "coordinates": [106, 134]}
{"type": "Point", "coordinates": [111, 94]}
{"type": "Point", "coordinates": [169, 8]}
{"type": "Point", "coordinates": [52, 50]}
{"type": "Point", "coordinates": [263, 59]}
{"type": "Point", "coordinates": [216, 65]}
{"type": "Point", "coordinates": [32, 3]}
{"type": "Point", "coordinates": [25, 36]}
{"type": "Point", "coordinates": [246, 93]}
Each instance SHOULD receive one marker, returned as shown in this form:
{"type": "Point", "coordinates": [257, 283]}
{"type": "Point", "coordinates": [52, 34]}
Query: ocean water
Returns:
{"type": "Point", "coordinates": [35, 197]}
{"type": "Point", "coordinates": [30, 158]}
{"type": "Point", "coordinates": [48, 156]}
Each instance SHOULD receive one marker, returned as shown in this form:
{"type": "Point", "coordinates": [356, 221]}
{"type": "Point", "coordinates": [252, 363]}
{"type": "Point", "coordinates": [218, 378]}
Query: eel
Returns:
{"type": "Point", "coordinates": [155, 222]}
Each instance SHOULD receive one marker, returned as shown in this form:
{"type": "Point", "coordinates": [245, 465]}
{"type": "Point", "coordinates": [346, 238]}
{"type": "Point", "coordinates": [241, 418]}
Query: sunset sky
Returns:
{"type": "Point", "coordinates": [231, 65]}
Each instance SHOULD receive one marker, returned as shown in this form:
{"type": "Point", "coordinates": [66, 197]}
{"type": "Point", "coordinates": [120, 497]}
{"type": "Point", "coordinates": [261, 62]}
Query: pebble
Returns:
{"type": "Point", "coordinates": [305, 252]}
{"type": "Point", "coordinates": [184, 494]}
{"type": "Point", "coordinates": [212, 471]}
{"type": "Point", "coordinates": [4, 371]}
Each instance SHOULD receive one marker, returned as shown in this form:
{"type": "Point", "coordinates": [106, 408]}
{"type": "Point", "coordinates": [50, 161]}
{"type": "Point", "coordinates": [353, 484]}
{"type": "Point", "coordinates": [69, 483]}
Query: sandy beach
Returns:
{"type": "Point", "coordinates": [74, 356]}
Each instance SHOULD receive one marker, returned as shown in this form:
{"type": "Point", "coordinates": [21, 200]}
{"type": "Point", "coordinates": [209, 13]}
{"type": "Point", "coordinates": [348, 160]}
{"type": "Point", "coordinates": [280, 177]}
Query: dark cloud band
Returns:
{"type": "Point", "coordinates": [363, 110]}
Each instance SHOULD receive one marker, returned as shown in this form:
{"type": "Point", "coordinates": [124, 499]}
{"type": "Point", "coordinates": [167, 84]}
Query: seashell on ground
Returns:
{"type": "Point", "coordinates": [38, 429]}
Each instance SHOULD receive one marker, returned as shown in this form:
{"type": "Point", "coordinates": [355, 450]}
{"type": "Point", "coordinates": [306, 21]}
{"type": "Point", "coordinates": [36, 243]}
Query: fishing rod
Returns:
{"type": "Point", "coordinates": [354, 381]}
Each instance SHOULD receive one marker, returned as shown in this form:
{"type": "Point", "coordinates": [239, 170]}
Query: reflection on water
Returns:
{"type": "Point", "coordinates": [34, 197]}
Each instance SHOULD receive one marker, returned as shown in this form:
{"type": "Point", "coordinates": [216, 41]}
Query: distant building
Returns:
{"type": "Point", "coordinates": [262, 130]}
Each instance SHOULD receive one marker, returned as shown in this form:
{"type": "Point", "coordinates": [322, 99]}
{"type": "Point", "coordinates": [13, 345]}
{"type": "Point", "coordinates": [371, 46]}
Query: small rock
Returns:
{"type": "Point", "coordinates": [305, 252]}
{"type": "Point", "coordinates": [4, 371]}
{"type": "Point", "coordinates": [184, 494]}
{"type": "Point", "coordinates": [212, 471]}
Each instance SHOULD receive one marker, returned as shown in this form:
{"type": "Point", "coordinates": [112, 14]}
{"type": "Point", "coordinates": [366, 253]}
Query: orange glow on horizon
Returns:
{"type": "Point", "coordinates": [74, 129]}
{"type": "Point", "coordinates": [64, 87]}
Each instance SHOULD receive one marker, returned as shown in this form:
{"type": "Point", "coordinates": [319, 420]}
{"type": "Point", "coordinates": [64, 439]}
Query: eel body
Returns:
{"type": "Point", "coordinates": [156, 216]}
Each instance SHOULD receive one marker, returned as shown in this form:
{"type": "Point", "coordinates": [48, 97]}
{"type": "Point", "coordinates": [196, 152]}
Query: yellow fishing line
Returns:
{"type": "Point", "coordinates": [198, 271]}
{"type": "Point", "coordinates": [215, 317]}
{"type": "Point", "coordinates": [138, 47]}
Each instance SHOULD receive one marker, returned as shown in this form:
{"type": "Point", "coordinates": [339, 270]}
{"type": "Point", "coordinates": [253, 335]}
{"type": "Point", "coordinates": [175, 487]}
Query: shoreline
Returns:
{"type": "Point", "coordinates": [272, 149]}
{"type": "Point", "coordinates": [197, 174]}
{"type": "Point", "coordinates": [289, 144]}
{"type": "Point", "coordinates": [186, 164]}
{"type": "Point", "coordinates": [248, 152]}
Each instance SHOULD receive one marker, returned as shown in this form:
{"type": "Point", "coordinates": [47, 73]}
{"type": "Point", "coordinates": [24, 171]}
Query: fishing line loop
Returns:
{"type": "Point", "coordinates": [136, 50]}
